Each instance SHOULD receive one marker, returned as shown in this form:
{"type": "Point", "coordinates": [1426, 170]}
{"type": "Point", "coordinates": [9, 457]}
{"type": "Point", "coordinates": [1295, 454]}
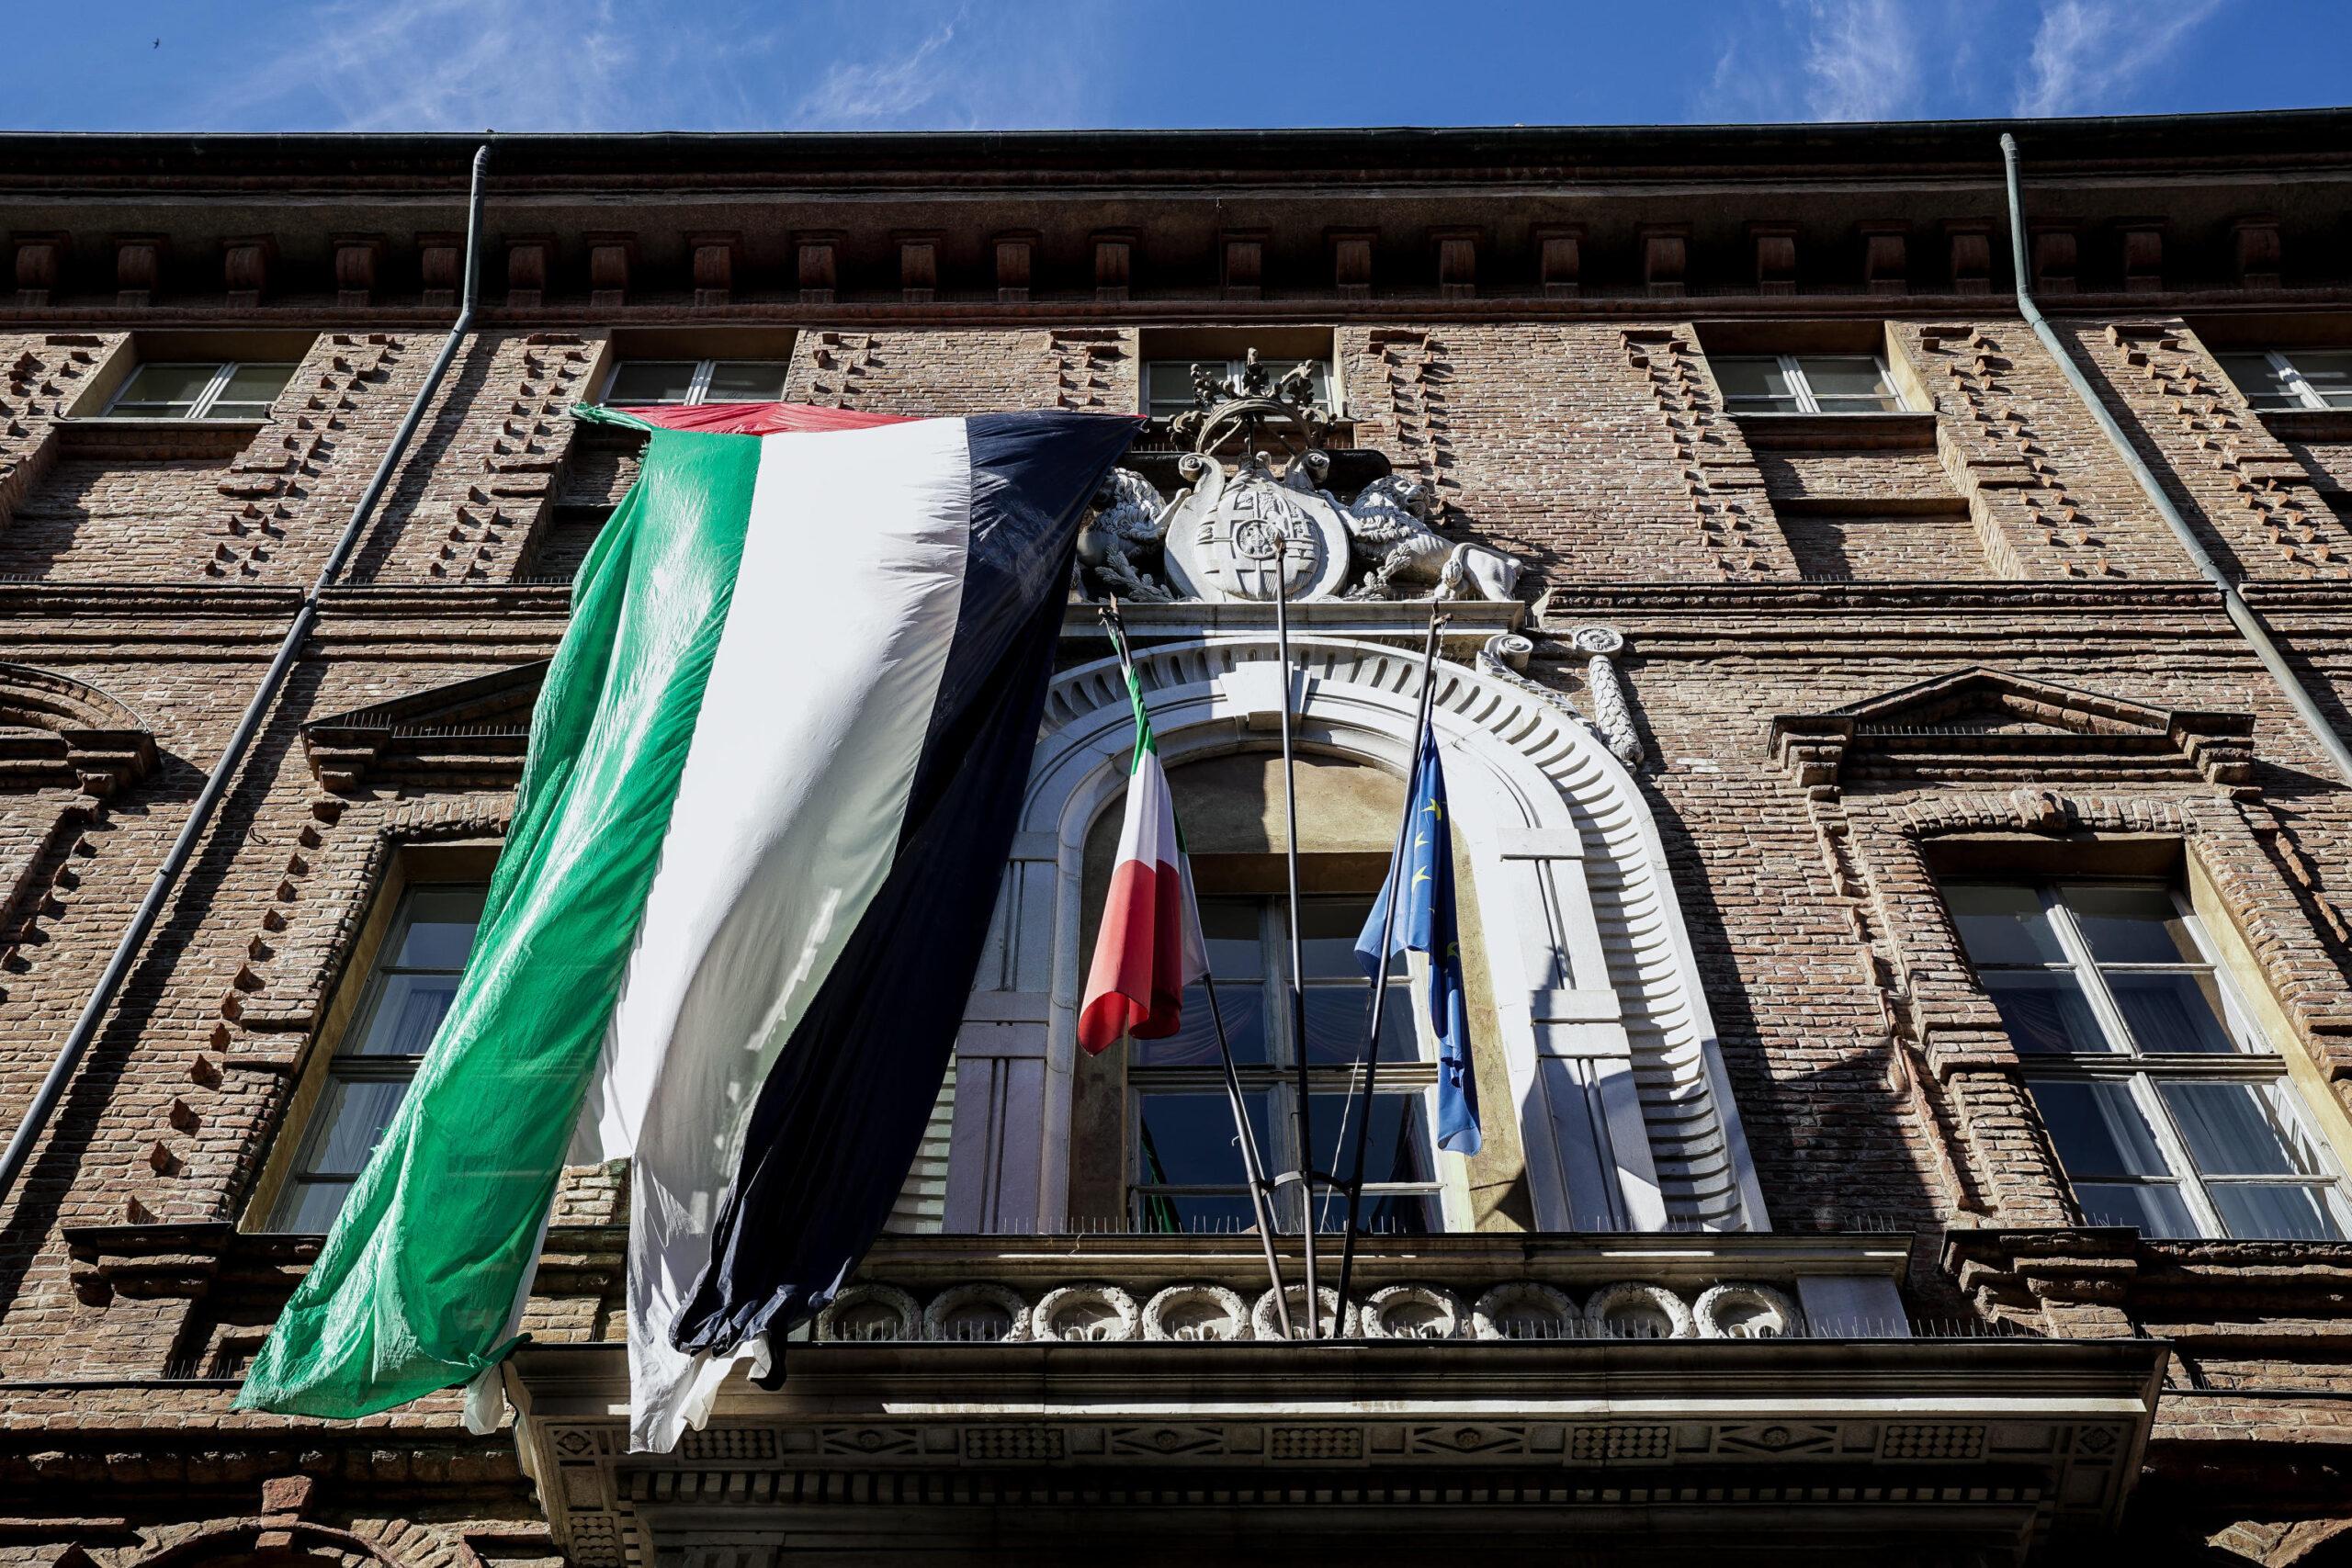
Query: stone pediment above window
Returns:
{"type": "Point", "coordinates": [467, 732]}
{"type": "Point", "coordinates": [56, 731]}
{"type": "Point", "coordinates": [1987, 721]}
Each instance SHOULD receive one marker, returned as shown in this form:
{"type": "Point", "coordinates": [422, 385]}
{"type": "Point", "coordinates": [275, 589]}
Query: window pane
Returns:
{"type": "Point", "coordinates": [642, 381]}
{"type": "Point", "coordinates": [1392, 1213]}
{"type": "Point", "coordinates": [1181, 1213]}
{"type": "Point", "coordinates": [2132, 925]}
{"type": "Point", "coordinates": [1327, 928]}
{"type": "Point", "coordinates": [2237, 1129]}
{"type": "Point", "coordinates": [2328, 372]}
{"type": "Point", "coordinates": [1169, 386]}
{"type": "Point", "coordinates": [2262, 1210]}
{"type": "Point", "coordinates": [1849, 381]}
{"type": "Point", "coordinates": [256, 383]}
{"type": "Point", "coordinates": [2044, 1009]}
{"type": "Point", "coordinates": [437, 927]}
{"type": "Point", "coordinates": [309, 1208]}
{"type": "Point", "coordinates": [1194, 1044]}
{"type": "Point", "coordinates": [2263, 385]}
{"type": "Point", "coordinates": [1335, 1016]}
{"type": "Point", "coordinates": [350, 1119]}
{"type": "Point", "coordinates": [2156, 1210]}
{"type": "Point", "coordinates": [1186, 1139]}
{"type": "Point", "coordinates": [2097, 1130]}
{"type": "Point", "coordinates": [1398, 1149]}
{"type": "Point", "coordinates": [1754, 384]}
{"type": "Point", "coordinates": [165, 388]}
{"type": "Point", "coordinates": [1231, 927]}
{"type": "Point", "coordinates": [2172, 1012]}
{"type": "Point", "coordinates": [2000, 923]}
{"type": "Point", "coordinates": [401, 1021]}
{"type": "Point", "coordinates": [745, 382]}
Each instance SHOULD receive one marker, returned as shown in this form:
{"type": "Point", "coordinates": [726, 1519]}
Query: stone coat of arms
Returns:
{"type": "Point", "coordinates": [1233, 535]}
{"type": "Point", "coordinates": [1258, 526]}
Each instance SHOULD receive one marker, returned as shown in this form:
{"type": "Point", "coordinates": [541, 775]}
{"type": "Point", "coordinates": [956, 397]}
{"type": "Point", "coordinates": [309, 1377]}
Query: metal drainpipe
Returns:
{"type": "Point", "coordinates": [216, 784]}
{"type": "Point", "coordinates": [2241, 613]}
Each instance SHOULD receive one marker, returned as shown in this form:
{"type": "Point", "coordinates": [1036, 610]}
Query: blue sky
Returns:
{"type": "Point", "coordinates": [1002, 65]}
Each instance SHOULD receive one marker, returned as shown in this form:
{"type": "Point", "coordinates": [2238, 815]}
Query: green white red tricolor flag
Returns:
{"type": "Point", "coordinates": [1149, 947]}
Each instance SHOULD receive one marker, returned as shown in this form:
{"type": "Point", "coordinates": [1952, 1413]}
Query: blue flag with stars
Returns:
{"type": "Point", "coordinates": [1425, 924]}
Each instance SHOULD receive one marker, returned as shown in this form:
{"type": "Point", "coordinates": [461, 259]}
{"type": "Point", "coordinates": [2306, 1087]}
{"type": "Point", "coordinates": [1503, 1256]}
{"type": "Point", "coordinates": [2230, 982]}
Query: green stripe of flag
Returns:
{"type": "Point", "coordinates": [415, 1284]}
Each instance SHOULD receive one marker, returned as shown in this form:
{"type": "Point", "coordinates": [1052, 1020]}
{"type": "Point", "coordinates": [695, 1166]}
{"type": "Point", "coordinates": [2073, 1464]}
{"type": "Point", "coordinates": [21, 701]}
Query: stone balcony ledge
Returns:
{"type": "Point", "coordinates": [1214, 1287]}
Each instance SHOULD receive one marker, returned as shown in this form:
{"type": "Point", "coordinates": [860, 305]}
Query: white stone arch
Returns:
{"type": "Point", "coordinates": [1615, 1075]}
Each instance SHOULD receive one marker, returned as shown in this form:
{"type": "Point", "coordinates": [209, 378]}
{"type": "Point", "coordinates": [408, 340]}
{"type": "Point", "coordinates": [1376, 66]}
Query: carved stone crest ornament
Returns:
{"type": "Point", "coordinates": [1237, 535]}
{"type": "Point", "coordinates": [1253, 525]}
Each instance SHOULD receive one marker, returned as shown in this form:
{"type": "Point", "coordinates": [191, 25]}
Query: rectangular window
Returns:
{"type": "Point", "coordinates": [1188, 1169]}
{"type": "Point", "coordinates": [2303, 379]}
{"type": "Point", "coordinates": [1805, 383]}
{"type": "Point", "coordinates": [231, 389]}
{"type": "Point", "coordinates": [1168, 384]}
{"type": "Point", "coordinates": [2163, 1103]}
{"type": "Point", "coordinates": [404, 997]}
{"type": "Point", "coordinates": [646, 383]}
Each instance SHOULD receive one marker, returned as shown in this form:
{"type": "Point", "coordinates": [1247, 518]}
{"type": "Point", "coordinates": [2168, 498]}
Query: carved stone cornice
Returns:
{"type": "Point", "coordinates": [908, 1447]}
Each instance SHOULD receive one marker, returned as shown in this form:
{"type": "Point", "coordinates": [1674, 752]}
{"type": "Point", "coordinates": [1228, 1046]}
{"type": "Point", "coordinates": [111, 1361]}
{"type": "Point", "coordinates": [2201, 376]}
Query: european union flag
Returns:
{"type": "Point", "coordinates": [1425, 923]}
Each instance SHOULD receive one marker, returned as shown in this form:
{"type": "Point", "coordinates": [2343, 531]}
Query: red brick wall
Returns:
{"type": "Point", "coordinates": [1597, 450]}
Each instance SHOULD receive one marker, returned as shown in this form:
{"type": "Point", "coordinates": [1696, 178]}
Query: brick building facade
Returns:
{"type": "Point", "coordinates": [1861, 700]}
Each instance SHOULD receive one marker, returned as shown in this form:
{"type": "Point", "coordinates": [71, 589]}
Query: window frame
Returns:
{"type": "Point", "coordinates": [223, 372]}
{"type": "Point", "coordinates": [289, 1169]}
{"type": "Point", "coordinates": [1808, 402]}
{"type": "Point", "coordinates": [2291, 378]}
{"type": "Point", "coordinates": [697, 385]}
{"type": "Point", "coordinates": [1277, 1080]}
{"type": "Point", "coordinates": [2254, 1060]}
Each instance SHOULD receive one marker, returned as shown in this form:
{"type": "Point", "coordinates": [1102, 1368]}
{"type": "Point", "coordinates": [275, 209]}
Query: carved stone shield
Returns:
{"type": "Point", "coordinates": [1236, 536]}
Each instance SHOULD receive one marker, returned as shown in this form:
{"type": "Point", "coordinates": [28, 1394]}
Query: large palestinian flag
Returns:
{"type": "Point", "coordinates": [772, 779]}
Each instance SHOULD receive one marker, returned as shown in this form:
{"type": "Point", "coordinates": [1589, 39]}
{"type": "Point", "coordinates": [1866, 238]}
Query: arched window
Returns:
{"type": "Point", "coordinates": [1605, 1102]}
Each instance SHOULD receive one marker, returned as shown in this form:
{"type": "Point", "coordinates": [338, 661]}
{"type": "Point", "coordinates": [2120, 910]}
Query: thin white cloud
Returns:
{"type": "Point", "coordinates": [886, 92]}
{"type": "Point", "coordinates": [444, 65]}
{"type": "Point", "coordinates": [1816, 60]}
{"type": "Point", "coordinates": [1862, 60]}
{"type": "Point", "coordinates": [2089, 55]}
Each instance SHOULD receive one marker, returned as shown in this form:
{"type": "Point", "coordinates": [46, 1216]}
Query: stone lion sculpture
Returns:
{"type": "Point", "coordinates": [1130, 519]}
{"type": "Point", "coordinates": [1390, 537]}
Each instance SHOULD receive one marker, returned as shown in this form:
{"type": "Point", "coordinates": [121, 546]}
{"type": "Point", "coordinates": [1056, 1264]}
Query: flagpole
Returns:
{"type": "Point", "coordinates": [1371, 1058]}
{"type": "Point", "coordinates": [1116, 626]}
{"type": "Point", "coordinates": [1297, 984]}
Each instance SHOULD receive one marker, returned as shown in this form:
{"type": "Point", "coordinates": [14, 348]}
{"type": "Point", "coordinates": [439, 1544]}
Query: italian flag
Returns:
{"type": "Point", "coordinates": [773, 775]}
{"type": "Point", "coordinates": [1150, 946]}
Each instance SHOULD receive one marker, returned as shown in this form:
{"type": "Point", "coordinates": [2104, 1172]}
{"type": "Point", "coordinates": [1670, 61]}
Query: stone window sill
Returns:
{"type": "Point", "coordinates": [1837, 432]}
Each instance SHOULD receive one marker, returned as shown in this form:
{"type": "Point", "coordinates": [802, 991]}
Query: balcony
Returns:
{"type": "Point", "coordinates": [1037, 1397]}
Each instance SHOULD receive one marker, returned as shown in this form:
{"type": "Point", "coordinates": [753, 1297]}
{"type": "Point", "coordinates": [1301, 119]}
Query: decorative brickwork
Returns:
{"type": "Point", "coordinates": [2036, 520]}
{"type": "Point", "coordinates": [2253, 493]}
{"type": "Point", "coordinates": [1096, 372]}
{"type": "Point", "coordinates": [1850, 651]}
{"type": "Point", "coordinates": [1716, 470]}
{"type": "Point", "coordinates": [281, 469]}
